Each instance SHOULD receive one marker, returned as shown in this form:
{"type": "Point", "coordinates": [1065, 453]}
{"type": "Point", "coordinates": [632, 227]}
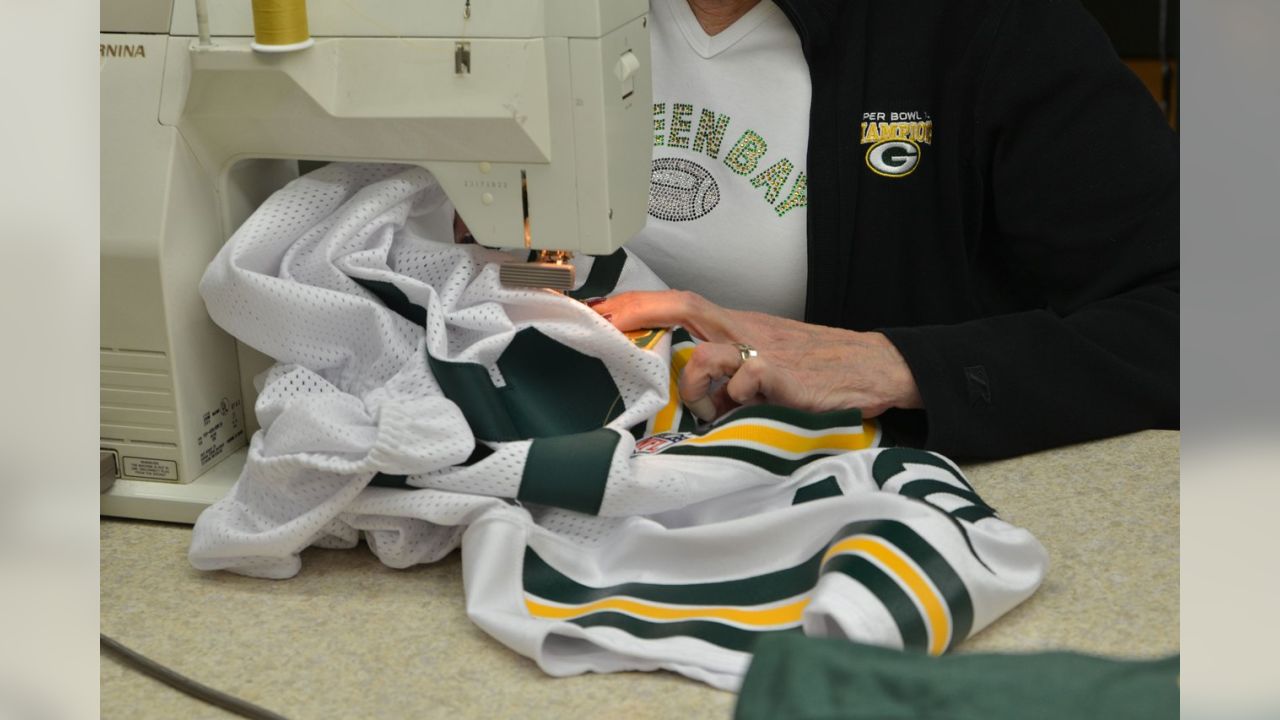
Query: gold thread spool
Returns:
{"type": "Point", "coordinates": [280, 26]}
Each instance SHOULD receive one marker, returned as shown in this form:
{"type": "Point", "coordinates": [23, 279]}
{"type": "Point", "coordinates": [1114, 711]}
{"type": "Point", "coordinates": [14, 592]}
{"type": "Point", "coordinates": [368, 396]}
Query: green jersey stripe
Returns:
{"type": "Point", "coordinates": [892, 461]}
{"type": "Point", "coordinates": [944, 577]}
{"type": "Point", "coordinates": [921, 489]}
{"type": "Point", "coordinates": [904, 612]}
{"type": "Point", "coordinates": [973, 513]}
{"type": "Point", "coordinates": [816, 491]}
{"type": "Point", "coordinates": [896, 600]}
{"type": "Point", "coordinates": [544, 581]}
{"type": "Point", "coordinates": [569, 471]}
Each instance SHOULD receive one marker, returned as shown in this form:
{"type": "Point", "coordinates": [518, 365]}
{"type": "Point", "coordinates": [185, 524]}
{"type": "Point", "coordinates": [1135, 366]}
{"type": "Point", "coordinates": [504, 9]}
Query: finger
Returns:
{"type": "Point", "coordinates": [720, 398]}
{"type": "Point", "coordinates": [749, 385]}
{"type": "Point", "coordinates": [707, 363]}
{"type": "Point", "coordinates": [664, 308]}
{"type": "Point", "coordinates": [713, 404]}
{"type": "Point", "coordinates": [704, 408]}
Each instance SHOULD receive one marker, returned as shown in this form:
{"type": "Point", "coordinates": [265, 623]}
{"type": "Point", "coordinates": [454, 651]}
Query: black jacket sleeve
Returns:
{"type": "Point", "coordinates": [1080, 176]}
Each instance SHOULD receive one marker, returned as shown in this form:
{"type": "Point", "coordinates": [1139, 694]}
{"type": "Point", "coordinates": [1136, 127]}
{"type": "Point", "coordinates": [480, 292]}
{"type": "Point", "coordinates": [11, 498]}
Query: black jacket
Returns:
{"type": "Point", "coordinates": [1027, 267]}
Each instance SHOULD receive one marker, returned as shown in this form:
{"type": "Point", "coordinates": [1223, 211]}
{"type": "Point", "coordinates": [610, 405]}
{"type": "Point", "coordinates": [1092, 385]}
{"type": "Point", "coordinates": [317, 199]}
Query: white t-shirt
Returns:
{"type": "Point", "coordinates": [727, 215]}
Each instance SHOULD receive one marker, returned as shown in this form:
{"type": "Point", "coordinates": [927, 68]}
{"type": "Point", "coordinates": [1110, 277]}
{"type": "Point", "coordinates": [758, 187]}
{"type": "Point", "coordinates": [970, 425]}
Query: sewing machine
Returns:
{"type": "Point", "coordinates": [534, 115]}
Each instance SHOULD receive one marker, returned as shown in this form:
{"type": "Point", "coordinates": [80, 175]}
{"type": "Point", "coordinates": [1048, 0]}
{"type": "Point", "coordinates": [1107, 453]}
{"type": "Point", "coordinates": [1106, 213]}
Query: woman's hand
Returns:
{"type": "Point", "coordinates": [807, 367]}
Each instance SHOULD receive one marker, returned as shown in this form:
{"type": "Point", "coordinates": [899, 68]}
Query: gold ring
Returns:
{"type": "Point", "coordinates": [745, 351]}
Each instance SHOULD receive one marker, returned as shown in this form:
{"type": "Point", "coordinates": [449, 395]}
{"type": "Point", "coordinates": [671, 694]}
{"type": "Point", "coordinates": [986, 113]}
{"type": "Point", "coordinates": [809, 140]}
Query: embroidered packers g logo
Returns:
{"type": "Point", "coordinates": [897, 141]}
{"type": "Point", "coordinates": [893, 158]}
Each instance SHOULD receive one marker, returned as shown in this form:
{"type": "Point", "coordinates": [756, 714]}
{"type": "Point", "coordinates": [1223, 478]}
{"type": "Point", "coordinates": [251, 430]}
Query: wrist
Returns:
{"type": "Point", "coordinates": [900, 382]}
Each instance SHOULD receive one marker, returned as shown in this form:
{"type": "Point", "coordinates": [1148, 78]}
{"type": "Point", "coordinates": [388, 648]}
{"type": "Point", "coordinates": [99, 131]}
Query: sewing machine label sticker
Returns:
{"type": "Point", "coordinates": [220, 429]}
{"type": "Point", "coordinates": [150, 468]}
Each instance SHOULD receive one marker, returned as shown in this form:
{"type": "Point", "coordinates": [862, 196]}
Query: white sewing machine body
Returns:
{"type": "Point", "coordinates": [536, 110]}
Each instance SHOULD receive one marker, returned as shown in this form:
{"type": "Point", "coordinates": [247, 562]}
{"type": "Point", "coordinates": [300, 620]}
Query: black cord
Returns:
{"type": "Point", "coordinates": [1162, 51]}
{"type": "Point", "coordinates": [184, 684]}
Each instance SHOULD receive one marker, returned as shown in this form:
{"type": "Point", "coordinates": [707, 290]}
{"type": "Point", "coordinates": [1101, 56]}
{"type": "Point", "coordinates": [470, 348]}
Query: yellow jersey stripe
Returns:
{"type": "Point", "coordinates": [788, 614]}
{"type": "Point", "coordinates": [787, 441]}
{"type": "Point", "coordinates": [935, 611]}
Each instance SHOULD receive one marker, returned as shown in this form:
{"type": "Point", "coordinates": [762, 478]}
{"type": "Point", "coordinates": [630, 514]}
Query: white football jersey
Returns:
{"type": "Point", "coordinates": [421, 405]}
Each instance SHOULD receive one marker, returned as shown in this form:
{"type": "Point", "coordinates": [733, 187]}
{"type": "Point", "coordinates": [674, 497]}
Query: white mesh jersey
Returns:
{"type": "Point", "coordinates": [420, 405]}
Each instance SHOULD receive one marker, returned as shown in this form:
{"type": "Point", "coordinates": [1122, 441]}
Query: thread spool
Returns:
{"type": "Point", "coordinates": [280, 26]}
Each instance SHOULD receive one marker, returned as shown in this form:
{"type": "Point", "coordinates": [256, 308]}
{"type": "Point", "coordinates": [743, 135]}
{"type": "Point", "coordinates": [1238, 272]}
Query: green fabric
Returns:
{"type": "Point", "coordinates": [893, 461]}
{"type": "Point", "coordinates": [544, 581]}
{"type": "Point", "coordinates": [401, 482]}
{"type": "Point", "coordinates": [551, 389]}
{"type": "Point", "coordinates": [569, 471]}
{"type": "Point", "coordinates": [801, 678]}
{"type": "Point", "coordinates": [603, 278]}
{"type": "Point", "coordinates": [817, 491]}
{"type": "Point", "coordinates": [395, 299]}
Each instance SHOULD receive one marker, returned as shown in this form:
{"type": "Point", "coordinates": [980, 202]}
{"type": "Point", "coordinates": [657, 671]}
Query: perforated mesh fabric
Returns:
{"type": "Point", "coordinates": [420, 405]}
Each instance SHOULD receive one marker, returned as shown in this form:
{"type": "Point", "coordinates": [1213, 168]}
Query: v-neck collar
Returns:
{"type": "Point", "coordinates": [708, 46]}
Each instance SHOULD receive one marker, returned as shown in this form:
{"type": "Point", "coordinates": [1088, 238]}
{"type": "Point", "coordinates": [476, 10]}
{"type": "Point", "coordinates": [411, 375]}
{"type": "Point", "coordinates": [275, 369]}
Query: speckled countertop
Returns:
{"type": "Point", "coordinates": [351, 638]}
